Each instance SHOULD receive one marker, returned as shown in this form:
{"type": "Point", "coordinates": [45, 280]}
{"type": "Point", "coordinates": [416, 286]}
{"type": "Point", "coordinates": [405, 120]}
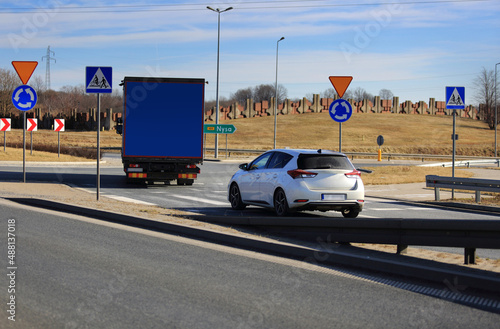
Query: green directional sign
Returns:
{"type": "Point", "coordinates": [218, 129]}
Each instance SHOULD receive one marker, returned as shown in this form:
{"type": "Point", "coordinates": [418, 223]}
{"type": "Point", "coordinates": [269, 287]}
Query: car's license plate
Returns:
{"type": "Point", "coordinates": [333, 197]}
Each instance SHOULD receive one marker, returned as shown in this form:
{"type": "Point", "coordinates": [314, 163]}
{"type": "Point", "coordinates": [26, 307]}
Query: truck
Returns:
{"type": "Point", "coordinates": [162, 129]}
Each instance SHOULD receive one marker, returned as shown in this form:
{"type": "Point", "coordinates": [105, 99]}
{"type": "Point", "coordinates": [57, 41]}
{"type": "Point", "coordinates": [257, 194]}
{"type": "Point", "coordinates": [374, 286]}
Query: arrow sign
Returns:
{"type": "Point", "coordinates": [32, 124]}
{"type": "Point", "coordinates": [59, 125]}
{"type": "Point", "coordinates": [340, 83]}
{"type": "Point", "coordinates": [5, 124]}
{"type": "Point", "coordinates": [218, 129]}
{"type": "Point", "coordinates": [24, 98]}
{"type": "Point", "coordinates": [340, 110]}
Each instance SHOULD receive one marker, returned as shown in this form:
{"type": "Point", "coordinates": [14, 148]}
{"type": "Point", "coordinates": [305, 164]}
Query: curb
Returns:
{"type": "Point", "coordinates": [345, 255]}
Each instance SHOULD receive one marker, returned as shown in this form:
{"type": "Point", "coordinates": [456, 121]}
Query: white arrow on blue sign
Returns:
{"type": "Point", "coordinates": [24, 98]}
{"type": "Point", "coordinates": [455, 98]}
{"type": "Point", "coordinates": [340, 110]}
{"type": "Point", "coordinates": [99, 79]}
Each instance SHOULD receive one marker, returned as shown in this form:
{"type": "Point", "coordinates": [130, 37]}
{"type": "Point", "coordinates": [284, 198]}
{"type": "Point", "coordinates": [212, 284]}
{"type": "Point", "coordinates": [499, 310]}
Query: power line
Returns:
{"type": "Point", "coordinates": [284, 4]}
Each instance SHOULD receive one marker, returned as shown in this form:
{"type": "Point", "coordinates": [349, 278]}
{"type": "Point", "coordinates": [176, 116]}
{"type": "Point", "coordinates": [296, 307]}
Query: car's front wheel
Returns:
{"type": "Point", "coordinates": [280, 203]}
{"type": "Point", "coordinates": [350, 212]}
{"type": "Point", "coordinates": [235, 198]}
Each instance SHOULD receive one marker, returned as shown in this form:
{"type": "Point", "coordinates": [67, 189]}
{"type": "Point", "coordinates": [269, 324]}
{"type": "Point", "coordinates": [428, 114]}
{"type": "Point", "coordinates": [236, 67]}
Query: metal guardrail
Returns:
{"type": "Point", "coordinates": [464, 163]}
{"type": "Point", "coordinates": [389, 156]}
{"type": "Point", "coordinates": [467, 234]}
{"type": "Point", "coordinates": [459, 183]}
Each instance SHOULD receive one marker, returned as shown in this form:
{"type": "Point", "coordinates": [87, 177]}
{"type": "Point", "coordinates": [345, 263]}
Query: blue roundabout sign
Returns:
{"type": "Point", "coordinates": [340, 110]}
{"type": "Point", "coordinates": [24, 98]}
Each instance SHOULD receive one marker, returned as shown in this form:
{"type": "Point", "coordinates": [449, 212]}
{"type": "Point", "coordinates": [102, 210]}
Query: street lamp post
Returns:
{"type": "Point", "coordinates": [218, 11]}
{"type": "Point", "coordinates": [496, 110]}
{"type": "Point", "coordinates": [276, 92]}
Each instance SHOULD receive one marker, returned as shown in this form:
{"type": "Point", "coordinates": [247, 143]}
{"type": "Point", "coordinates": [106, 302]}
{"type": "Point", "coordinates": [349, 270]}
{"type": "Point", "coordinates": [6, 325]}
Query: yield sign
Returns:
{"type": "Point", "coordinates": [5, 124]}
{"type": "Point", "coordinates": [59, 125]}
{"type": "Point", "coordinates": [24, 69]}
{"type": "Point", "coordinates": [340, 83]}
{"type": "Point", "coordinates": [32, 124]}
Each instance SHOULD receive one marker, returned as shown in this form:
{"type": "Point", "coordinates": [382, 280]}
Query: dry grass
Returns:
{"type": "Point", "coordinates": [421, 134]}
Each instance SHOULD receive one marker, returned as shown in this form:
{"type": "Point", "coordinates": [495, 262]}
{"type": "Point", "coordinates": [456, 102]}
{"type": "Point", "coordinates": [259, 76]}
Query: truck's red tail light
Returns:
{"type": "Point", "coordinates": [133, 165]}
{"type": "Point", "coordinates": [301, 173]}
{"type": "Point", "coordinates": [191, 166]}
{"type": "Point", "coordinates": [353, 174]}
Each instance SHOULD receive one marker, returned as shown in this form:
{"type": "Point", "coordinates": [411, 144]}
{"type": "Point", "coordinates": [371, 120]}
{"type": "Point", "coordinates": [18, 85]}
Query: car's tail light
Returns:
{"type": "Point", "coordinates": [353, 174]}
{"type": "Point", "coordinates": [301, 173]}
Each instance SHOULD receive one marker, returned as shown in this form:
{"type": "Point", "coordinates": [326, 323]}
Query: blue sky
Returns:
{"type": "Point", "coordinates": [415, 48]}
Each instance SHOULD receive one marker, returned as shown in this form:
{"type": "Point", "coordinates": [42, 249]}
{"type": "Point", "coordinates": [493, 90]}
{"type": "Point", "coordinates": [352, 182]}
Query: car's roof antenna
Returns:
{"type": "Point", "coordinates": [319, 151]}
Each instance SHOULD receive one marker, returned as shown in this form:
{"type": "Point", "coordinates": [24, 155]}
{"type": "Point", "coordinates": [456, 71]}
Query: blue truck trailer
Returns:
{"type": "Point", "coordinates": [162, 129]}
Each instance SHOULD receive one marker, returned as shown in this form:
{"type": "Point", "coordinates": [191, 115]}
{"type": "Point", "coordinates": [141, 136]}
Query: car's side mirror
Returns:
{"type": "Point", "coordinates": [243, 166]}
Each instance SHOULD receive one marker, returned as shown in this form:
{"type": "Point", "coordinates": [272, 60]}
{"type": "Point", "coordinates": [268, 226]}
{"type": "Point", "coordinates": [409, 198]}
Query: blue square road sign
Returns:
{"type": "Point", "coordinates": [99, 79]}
{"type": "Point", "coordinates": [455, 98]}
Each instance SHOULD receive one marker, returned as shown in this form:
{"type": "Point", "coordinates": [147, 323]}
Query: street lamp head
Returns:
{"type": "Point", "coordinates": [218, 9]}
{"type": "Point", "coordinates": [282, 38]}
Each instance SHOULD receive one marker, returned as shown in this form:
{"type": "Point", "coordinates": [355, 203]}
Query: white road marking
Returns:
{"type": "Point", "coordinates": [130, 200]}
{"type": "Point", "coordinates": [193, 198]}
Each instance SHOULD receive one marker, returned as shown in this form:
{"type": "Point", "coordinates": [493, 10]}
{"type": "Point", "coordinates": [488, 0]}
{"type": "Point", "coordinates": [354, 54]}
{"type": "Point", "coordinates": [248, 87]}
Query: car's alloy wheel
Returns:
{"type": "Point", "coordinates": [280, 203]}
{"type": "Point", "coordinates": [235, 198]}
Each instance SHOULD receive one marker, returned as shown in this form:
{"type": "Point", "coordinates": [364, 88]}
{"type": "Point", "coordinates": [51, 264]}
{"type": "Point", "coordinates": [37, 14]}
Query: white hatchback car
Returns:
{"type": "Point", "coordinates": [291, 179]}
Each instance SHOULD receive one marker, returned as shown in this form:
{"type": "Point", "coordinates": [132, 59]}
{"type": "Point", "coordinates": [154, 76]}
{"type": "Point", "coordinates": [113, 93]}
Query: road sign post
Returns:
{"type": "Point", "coordinates": [98, 79]}
{"type": "Point", "coordinates": [340, 83]}
{"type": "Point", "coordinates": [380, 142]}
{"type": "Point", "coordinates": [5, 126]}
{"type": "Point", "coordinates": [58, 126]}
{"type": "Point", "coordinates": [455, 100]}
{"type": "Point", "coordinates": [24, 97]}
{"type": "Point", "coordinates": [32, 126]}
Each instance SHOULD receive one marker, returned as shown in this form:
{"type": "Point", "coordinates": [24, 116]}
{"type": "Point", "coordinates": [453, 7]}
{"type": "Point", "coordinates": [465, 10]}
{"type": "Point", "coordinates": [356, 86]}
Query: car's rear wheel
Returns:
{"type": "Point", "coordinates": [350, 212]}
{"type": "Point", "coordinates": [280, 203]}
{"type": "Point", "coordinates": [235, 198]}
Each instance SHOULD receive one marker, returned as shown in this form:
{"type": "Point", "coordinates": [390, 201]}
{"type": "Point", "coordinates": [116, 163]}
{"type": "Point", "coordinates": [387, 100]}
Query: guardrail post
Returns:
{"type": "Point", "coordinates": [478, 196]}
{"type": "Point", "coordinates": [436, 193]}
{"type": "Point", "coordinates": [470, 256]}
{"type": "Point", "coordinates": [402, 249]}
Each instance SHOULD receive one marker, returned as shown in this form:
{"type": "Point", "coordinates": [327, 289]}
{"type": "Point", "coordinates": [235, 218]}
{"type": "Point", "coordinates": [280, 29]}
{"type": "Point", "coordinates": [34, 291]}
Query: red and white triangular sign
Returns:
{"type": "Point", "coordinates": [59, 125]}
{"type": "Point", "coordinates": [32, 124]}
{"type": "Point", "coordinates": [5, 124]}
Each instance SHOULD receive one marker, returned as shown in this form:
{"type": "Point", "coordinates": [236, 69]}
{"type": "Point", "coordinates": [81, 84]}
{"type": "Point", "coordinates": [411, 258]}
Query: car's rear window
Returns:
{"type": "Point", "coordinates": [323, 161]}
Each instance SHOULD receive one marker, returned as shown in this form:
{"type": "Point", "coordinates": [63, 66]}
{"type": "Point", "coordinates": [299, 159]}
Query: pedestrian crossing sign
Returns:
{"type": "Point", "coordinates": [455, 98]}
{"type": "Point", "coordinates": [98, 79]}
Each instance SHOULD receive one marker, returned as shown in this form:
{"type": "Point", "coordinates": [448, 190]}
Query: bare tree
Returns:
{"type": "Point", "coordinates": [8, 82]}
{"type": "Point", "coordinates": [241, 95]}
{"type": "Point", "coordinates": [359, 94]}
{"type": "Point", "coordinates": [484, 86]}
{"type": "Point", "coordinates": [385, 94]}
{"type": "Point", "coordinates": [329, 93]}
{"type": "Point", "coordinates": [263, 92]}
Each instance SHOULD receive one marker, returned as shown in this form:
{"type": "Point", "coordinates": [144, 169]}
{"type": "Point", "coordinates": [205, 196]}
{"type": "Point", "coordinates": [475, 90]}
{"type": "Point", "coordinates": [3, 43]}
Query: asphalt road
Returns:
{"type": "Point", "coordinates": [75, 272]}
{"type": "Point", "coordinates": [208, 195]}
